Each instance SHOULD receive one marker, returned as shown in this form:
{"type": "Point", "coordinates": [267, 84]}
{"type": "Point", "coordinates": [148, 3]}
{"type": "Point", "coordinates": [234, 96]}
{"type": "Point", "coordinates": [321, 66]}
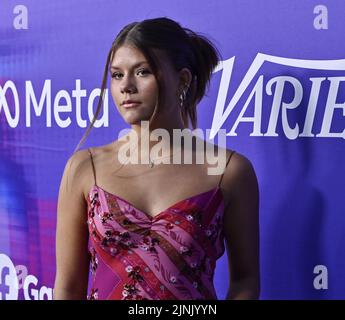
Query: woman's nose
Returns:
{"type": "Point", "coordinates": [127, 85]}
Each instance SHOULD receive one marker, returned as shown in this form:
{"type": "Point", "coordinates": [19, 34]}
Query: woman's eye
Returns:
{"type": "Point", "coordinates": [116, 74]}
{"type": "Point", "coordinates": [144, 71]}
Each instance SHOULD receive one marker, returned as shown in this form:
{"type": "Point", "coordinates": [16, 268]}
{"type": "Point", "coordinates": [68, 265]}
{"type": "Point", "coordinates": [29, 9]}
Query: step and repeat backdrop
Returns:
{"type": "Point", "coordinates": [279, 93]}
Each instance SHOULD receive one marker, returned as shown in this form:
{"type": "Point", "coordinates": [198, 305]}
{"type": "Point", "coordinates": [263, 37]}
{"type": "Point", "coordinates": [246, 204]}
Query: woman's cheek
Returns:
{"type": "Point", "coordinates": [115, 98]}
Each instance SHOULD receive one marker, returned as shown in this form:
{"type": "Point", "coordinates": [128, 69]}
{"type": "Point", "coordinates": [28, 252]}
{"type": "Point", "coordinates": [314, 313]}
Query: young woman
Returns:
{"type": "Point", "coordinates": [153, 230]}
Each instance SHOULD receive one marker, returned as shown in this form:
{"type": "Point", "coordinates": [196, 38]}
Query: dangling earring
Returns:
{"type": "Point", "coordinates": [183, 96]}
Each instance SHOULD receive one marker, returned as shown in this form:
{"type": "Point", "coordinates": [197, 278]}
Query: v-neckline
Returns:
{"type": "Point", "coordinates": [214, 190]}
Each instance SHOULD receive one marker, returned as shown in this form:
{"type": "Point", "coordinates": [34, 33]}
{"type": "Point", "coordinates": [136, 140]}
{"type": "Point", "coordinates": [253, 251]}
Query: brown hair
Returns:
{"type": "Point", "coordinates": [184, 48]}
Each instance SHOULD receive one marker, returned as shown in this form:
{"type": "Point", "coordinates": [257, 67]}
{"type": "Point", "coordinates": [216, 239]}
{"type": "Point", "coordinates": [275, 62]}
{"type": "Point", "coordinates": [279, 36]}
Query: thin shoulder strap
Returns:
{"type": "Point", "coordinates": [221, 178]}
{"type": "Point", "coordinates": [93, 166]}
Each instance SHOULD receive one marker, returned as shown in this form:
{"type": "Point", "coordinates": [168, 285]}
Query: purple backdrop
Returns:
{"type": "Point", "coordinates": [279, 93]}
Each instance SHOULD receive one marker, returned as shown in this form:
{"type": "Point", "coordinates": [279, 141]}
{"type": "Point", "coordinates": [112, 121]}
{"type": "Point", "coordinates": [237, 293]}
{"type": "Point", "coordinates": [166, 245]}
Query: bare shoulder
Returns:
{"type": "Point", "coordinates": [100, 157]}
{"type": "Point", "coordinates": [78, 171]}
{"type": "Point", "coordinates": [239, 177]}
{"type": "Point", "coordinates": [238, 164]}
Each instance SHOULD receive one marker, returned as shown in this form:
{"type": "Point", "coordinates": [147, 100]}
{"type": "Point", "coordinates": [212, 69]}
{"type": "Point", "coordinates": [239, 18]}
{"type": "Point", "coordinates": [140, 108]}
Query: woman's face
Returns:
{"type": "Point", "coordinates": [132, 79]}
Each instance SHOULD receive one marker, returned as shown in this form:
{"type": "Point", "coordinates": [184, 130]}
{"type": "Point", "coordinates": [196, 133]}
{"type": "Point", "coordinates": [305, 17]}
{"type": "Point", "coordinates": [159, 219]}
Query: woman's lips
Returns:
{"type": "Point", "coordinates": [131, 105]}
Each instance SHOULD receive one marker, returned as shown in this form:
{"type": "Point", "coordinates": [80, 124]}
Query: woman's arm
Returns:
{"type": "Point", "coordinates": [72, 259]}
{"type": "Point", "coordinates": [241, 228]}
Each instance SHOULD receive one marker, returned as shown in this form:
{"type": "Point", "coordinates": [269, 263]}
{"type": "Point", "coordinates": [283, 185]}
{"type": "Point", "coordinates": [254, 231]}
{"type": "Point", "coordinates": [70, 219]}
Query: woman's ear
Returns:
{"type": "Point", "coordinates": [185, 77]}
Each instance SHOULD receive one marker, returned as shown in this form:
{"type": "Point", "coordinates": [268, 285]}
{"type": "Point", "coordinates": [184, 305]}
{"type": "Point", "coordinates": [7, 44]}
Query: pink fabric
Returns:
{"type": "Point", "coordinates": [171, 256]}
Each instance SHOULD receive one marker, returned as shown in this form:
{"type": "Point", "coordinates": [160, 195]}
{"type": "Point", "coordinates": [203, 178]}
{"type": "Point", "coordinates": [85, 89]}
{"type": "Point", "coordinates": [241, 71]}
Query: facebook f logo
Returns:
{"type": "Point", "coordinates": [4, 287]}
{"type": "Point", "coordinates": [8, 279]}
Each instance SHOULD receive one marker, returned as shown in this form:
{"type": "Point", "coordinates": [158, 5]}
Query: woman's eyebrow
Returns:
{"type": "Point", "coordinates": [134, 66]}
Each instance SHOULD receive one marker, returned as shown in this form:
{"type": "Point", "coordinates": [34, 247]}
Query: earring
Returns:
{"type": "Point", "coordinates": [183, 96]}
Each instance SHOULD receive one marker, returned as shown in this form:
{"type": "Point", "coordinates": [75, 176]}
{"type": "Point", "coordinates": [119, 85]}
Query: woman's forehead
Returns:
{"type": "Point", "coordinates": [128, 55]}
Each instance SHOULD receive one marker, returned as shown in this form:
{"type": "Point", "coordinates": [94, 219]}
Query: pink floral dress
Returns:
{"type": "Point", "coordinates": [171, 256]}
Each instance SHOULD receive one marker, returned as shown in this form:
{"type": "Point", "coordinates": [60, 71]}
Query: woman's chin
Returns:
{"type": "Point", "coordinates": [134, 120]}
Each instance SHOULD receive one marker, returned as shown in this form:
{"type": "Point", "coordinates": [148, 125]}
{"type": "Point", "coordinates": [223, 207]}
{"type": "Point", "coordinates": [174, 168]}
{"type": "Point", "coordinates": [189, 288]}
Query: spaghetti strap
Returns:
{"type": "Point", "coordinates": [93, 166]}
{"type": "Point", "coordinates": [221, 178]}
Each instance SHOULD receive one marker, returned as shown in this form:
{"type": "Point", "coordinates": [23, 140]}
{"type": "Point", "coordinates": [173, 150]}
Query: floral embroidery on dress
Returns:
{"type": "Point", "coordinates": [93, 204]}
{"type": "Point", "coordinates": [213, 229]}
{"type": "Point", "coordinates": [131, 289]}
{"type": "Point", "coordinates": [196, 217]}
{"type": "Point", "coordinates": [116, 239]}
{"type": "Point", "coordinates": [169, 226]}
{"type": "Point", "coordinates": [93, 294]}
{"type": "Point", "coordinates": [185, 251]}
{"type": "Point", "coordinates": [148, 244]}
{"type": "Point", "coordinates": [93, 261]}
{"type": "Point", "coordinates": [112, 241]}
{"type": "Point", "coordinates": [106, 216]}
